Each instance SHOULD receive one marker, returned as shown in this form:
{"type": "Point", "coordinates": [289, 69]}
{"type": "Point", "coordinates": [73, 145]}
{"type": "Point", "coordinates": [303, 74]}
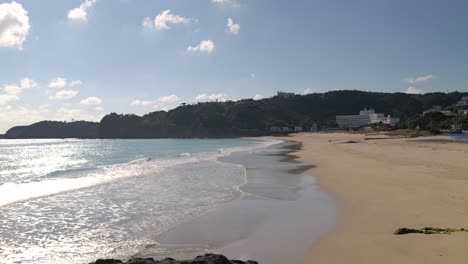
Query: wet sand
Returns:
{"type": "Point", "coordinates": [382, 184]}
{"type": "Point", "coordinates": [282, 213]}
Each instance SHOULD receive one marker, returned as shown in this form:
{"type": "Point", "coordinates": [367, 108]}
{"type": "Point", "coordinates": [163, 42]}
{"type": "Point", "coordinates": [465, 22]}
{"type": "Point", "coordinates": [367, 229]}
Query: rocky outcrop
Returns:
{"type": "Point", "coordinates": [205, 259]}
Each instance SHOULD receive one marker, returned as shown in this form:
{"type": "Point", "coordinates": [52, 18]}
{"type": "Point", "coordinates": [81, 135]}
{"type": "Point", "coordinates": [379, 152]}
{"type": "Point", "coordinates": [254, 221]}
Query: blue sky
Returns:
{"type": "Point", "coordinates": [81, 59]}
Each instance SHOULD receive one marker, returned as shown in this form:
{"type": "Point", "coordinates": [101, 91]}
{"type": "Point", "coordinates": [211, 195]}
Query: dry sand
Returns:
{"type": "Point", "coordinates": [385, 184]}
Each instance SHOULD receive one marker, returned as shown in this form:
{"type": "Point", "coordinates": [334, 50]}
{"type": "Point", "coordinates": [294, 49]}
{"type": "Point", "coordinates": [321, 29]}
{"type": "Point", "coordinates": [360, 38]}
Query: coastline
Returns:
{"type": "Point", "coordinates": [270, 223]}
{"type": "Point", "coordinates": [382, 184]}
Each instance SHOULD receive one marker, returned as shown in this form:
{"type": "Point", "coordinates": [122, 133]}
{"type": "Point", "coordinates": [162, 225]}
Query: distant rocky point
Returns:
{"type": "Point", "coordinates": [206, 259]}
{"type": "Point", "coordinates": [55, 129]}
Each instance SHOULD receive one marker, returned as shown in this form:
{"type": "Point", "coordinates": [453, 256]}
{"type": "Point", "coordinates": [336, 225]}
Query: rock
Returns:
{"type": "Point", "coordinates": [242, 262]}
{"type": "Point", "coordinates": [211, 259]}
{"type": "Point", "coordinates": [108, 261]}
{"type": "Point", "coordinates": [142, 261]}
{"type": "Point", "coordinates": [205, 259]}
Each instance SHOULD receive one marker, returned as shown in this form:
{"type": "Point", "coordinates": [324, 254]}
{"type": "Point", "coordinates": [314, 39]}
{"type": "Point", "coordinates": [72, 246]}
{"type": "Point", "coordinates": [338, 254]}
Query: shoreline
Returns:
{"type": "Point", "coordinates": [383, 184]}
{"type": "Point", "coordinates": [270, 224]}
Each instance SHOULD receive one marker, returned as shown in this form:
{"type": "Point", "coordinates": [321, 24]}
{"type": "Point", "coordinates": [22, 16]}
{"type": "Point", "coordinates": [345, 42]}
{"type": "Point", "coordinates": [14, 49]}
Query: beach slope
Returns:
{"type": "Point", "coordinates": [383, 184]}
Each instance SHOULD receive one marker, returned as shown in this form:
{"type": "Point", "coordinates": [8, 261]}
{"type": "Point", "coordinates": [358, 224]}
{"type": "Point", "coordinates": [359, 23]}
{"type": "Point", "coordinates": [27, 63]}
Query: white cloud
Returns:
{"type": "Point", "coordinates": [258, 97]}
{"type": "Point", "coordinates": [75, 83]}
{"type": "Point", "coordinates": [232, 3]}
{"type": "Point", "coordinates": [7, 98]}
{"type": "Point", "coordinates": [81, 13]}
{"type": "Point", "coordinates": [99, 109]}
{"type": "Point", "coordinates": [211, 97]}
{"type": "Point", "coordinates": [65, 94]}
{"type": "Point", "coordinates": [91, 101]}
{"type": "Point", "coordinates": [144, 103]}
{"type": "Point", "coordinates": [58, 82]}
{"type": "Point", "coordinates": [25, 84]}
{"type": "Point", "coordinates": [413, 90]}
{"type": "Point", "coordinates": [162, 108]}
{"type": "Point", "coordinates": [232, 28]}
{"type": "Point", "coordinates": [147, 23]}
{"type": "Point", "coordinates": [10, 117]}
{"type": "Point", "coordinates": [68, 114]}
{"type": "Point", "coordinates": [170, 99]}
{"type": "Point", "coordinates": [26, 115]}
{"type": "Point", "coordinates": [206, 46]}
{"type": "Point", "coordinates": [420, 79]}
{"type": "Point", "coordinates": [162, 20]}
{"type": "Point", "coordinates": [12, 89]}
{"type": "Point", "coordinates": [307, 91]}
{"type": "Point", "coordinates": [14, 25]}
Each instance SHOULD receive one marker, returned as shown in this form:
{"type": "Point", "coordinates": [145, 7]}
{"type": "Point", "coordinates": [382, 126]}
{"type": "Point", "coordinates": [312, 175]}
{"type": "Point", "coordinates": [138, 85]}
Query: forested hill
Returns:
{"type": "Point", "coordinates": [244, 117]}
{"type": "Point", "coordinates": [54, 129]}
{"type": "Point", "coordinates": [251, 118]}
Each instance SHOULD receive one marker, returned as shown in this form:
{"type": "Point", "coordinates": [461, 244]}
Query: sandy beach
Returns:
{"type": "Point", "coordinates": [382, 184]}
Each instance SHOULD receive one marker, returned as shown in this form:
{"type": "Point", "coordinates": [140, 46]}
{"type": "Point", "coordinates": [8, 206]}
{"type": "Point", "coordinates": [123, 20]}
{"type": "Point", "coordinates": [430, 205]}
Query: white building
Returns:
{"type": "Point", "coordinates": [389, 120]}
{"type": "Point", "coordinates": [298, 129]}
{"type": "Point", "coordinates": [314, 127]}
{"type": "Point", "coordinates": [352, 120]}
{"type": "Point", "coordinates": [433, 109]}
{"type": "Point", "coordinates": [367, 111]}
{"type": "Point", "coordinates": [275, 129]}
{"type": "Point", "coordinates": [365, 117]}
{"type": "Point", "coordinates": [463, 101]}
{"type": "Point", "coordinates": [376, 118]}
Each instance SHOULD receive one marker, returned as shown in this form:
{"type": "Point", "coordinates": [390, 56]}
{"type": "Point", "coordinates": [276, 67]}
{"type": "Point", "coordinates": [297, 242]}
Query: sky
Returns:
{"type": "Point", "coordinates": [81, 59]}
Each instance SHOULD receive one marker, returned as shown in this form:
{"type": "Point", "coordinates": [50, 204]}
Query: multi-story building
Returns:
{"type": "Point", "coordinates": [365, 117]}
{"type": "Point", "coordinates": [352, 120]}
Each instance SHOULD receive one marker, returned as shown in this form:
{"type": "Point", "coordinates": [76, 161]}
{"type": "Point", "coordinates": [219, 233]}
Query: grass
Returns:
{"type": "Point", "coordinates": [428, 230]}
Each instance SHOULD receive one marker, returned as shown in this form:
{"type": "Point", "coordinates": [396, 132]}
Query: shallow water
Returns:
{"type": "Point", "coordinates": [459, 136]}
{"type": "Point", "coordinates": [72, 201]}
{"type": "Point", "coordinates": [277, 220]}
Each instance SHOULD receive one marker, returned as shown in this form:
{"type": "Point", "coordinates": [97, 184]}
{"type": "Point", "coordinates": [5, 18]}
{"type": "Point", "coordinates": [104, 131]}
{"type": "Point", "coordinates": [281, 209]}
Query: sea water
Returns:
{"type": "Point", "coordinates": [459, 136]}
{"type": "Point", "coordinates": [72, 201]}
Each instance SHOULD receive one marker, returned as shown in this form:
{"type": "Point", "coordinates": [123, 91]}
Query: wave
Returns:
{"type": "Point", "coordinates": [8, 142]}
{"type": "Point", "coordinates": [140, 160]}
{"type": "Point", "coordinates": [69, 173]}
{"type": "Point", "coordinates": [76, 179]}
{"type": "Point", "coordinates": [16, 192]}
{"type": "Point", "coordinates": [263, 143]}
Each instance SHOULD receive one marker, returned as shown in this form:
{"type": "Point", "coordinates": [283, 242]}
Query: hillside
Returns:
{"type": "Point", "coordinates": [242, 118]}
{"type": "Point", "coordinates": [54, 129]}
{"type": "Point", "coordinates": [252, 118]}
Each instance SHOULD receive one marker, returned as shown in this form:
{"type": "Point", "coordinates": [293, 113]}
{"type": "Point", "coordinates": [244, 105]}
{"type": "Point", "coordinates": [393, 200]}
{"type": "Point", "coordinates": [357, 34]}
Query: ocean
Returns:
{"type": "Point", "coordinates": [459, 136]}
{"type": "Point", "coordinates": [73, 201]}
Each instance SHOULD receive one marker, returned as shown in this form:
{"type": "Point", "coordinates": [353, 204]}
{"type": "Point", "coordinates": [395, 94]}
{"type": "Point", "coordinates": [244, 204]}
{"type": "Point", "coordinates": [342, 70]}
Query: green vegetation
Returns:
{"type": "Point", "coordinates": [428, 230]}
{"type": "Point", "coordinates": [256, 118]}
{"type": "Point", "coordinates": [55, 129]}
{"type": "Point", "coordinates": [437, 121]}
